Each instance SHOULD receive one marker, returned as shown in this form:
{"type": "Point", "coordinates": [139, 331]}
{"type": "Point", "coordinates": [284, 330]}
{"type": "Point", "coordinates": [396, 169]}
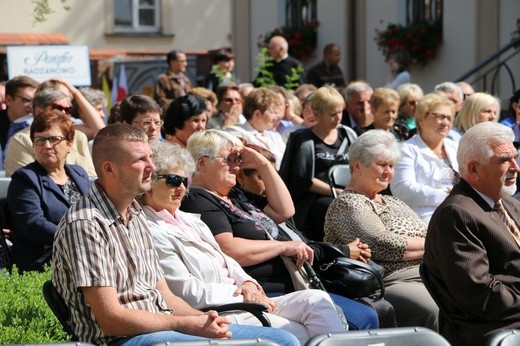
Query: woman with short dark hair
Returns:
{"type": "Point", "coordinates": [184, 116]}
{"type": "Point", "coordinates": [41, 192]}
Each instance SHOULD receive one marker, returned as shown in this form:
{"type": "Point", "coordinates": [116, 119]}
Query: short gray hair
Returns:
{"type": "Point", "coordinates": [44, 98]}
{"type": "Point", "coordinates": [477, 143]}
{"type": "Point", "coordinates": [450, 87]}
{"type": "Point", "coordinates": [210, 142]}
{"type": "Point", "coordinates": [356, 87]}
{"type": "Point", "coordinates": [168, 156]}
{"type": "Point", "coordinates": [373, 144]}
{"type": "Point", "coordinates": [94, 96]}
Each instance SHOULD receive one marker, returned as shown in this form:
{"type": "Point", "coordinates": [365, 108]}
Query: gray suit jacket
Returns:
{"type": "Point", "coordinates": [476, 265]}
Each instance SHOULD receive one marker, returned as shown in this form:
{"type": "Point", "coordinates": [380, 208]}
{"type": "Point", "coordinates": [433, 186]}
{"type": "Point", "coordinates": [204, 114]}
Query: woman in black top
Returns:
{"type": "Point", "coordinates": [244, 225]}
{"type": "Point", "coordinates": [309, 155]}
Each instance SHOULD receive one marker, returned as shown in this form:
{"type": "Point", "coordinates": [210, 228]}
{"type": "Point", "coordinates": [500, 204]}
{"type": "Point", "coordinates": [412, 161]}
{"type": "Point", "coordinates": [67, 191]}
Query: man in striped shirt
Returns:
{"type": "Point", "coordinates": [106, 268]}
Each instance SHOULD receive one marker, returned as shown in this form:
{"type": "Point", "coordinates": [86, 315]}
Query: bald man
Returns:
{"type": "Point", "coordinates": [286, 70]}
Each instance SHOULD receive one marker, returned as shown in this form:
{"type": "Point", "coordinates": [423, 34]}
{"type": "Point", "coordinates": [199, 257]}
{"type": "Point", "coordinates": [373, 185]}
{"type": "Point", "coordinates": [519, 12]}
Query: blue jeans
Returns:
{"type": "Point", "coordinates": [359, 316]}
{"type": "Point", "coordinates": [279, 336]}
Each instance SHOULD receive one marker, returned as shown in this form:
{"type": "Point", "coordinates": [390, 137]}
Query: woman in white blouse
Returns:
{"type": "Point", "coordinates": [428, 167]}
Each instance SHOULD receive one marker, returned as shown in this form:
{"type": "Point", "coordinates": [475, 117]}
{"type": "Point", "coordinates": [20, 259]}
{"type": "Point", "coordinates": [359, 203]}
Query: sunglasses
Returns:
{"type": "Point", "coordinates": [173, 180]}
{"type": "Point", "coordinates": [67, 110]}
{"type": "Point", "coordinates": [234, 159]}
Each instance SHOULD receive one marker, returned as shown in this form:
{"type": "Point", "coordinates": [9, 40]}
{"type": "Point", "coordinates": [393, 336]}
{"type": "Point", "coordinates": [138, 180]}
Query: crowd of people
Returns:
{"type": "Point", "coordinates": [195, 196]}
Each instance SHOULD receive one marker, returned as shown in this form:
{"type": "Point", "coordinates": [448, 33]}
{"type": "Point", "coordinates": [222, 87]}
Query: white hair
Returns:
{"type": "Point", "coordinates": [477, 143]}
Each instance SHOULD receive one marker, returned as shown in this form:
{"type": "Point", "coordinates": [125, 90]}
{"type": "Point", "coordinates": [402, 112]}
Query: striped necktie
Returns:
{"type": "Point", "coordinates": [508, 221]}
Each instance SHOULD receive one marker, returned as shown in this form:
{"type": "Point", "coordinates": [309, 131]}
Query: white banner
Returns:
{"type": "Point", "coordinates": [45, 62]}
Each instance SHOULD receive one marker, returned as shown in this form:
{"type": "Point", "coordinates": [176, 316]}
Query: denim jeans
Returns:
{"type": "Point", "coordinates": [359, 316]}
{"type": "Point", "coordinates": [279, 336]}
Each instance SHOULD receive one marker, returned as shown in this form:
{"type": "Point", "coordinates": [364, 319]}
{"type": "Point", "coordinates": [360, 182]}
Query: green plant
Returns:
{"type": "Point", "coordinates": [302, 40]}
{"type": "Point", "coordinates": [24, 314]}
{"type": "Point", "coordinates": [265, 77]}
{"type": "Point", "coordinates": [42, 9]}
{"type": "Point", "coordinates": [420, 40]}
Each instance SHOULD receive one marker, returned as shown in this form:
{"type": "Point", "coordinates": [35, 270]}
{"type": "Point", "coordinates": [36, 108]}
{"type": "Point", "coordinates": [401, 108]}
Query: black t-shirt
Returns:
{"type": "Point", "coordinates": [325, 155]}
{"type": "Point", "coordinates": [244, 219]}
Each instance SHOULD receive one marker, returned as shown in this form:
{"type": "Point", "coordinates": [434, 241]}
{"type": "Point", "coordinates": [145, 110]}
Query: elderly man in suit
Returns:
{"type": "Point", "coordinates": [472, 247]}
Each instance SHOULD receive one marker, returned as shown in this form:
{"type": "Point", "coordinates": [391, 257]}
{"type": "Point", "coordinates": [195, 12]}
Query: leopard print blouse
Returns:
{"type": "Point", "coordinates": [384, 227]}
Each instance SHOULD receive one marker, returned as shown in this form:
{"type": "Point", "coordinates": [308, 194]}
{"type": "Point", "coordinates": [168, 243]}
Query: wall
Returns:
{"type": "Point", "coordinates": [196, 25]}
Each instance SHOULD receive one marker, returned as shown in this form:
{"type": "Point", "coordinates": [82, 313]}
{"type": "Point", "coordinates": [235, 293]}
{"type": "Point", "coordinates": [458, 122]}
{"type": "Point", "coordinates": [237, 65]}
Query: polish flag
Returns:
{"type": "Point", "coordinates": [122, 87]}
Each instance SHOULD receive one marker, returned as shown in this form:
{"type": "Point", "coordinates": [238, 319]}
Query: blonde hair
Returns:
{"type": "Point", "coordinates": [325, 99]}
{"type": "Point", "coordinates": [429, 102]}
{"type": "Point", "coordinates": [472, 106]}
{"type": "Point", "coordinates": [407, 90]}
{"type": "Point", "coordinates": [384, 96]}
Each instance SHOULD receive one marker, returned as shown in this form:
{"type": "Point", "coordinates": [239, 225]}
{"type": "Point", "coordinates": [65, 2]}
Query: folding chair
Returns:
{"type": "Point", "coordinates": [5, 252]}
{"type": "Point", "coordinates": [409, 336]}
{"type": "Point", "coordinates": [58, 307]}
{"type": "Point", "coordinates": [506, 337]}
{"type": "Point", "coordinates": [339, 177]}
{"type": "Point", "coordinates": [444, 316]}
{"type": "Point", "coordinates": [238, 342]}
{"type": "Point", "coordinates": [60, 310]}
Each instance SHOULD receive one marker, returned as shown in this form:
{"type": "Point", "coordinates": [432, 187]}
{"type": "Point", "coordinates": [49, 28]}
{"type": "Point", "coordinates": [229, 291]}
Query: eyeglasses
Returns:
{"type": "Point", "coordinates": [67, 110]}
{"type": "Point", "coordinates": [173, 180]}
{"type": "Point", "coordinates": [441, 117]}
{"type": "Point", "coordinates": [24, 99]}
{"type": "Point", "coordinates": [53, 140]}
{"type": "Point", "coordinates": [234, 159]}
{"type": "Point", "coordinates": [230, 99]}
{"type": "Point", "coordinates": [147, 123]}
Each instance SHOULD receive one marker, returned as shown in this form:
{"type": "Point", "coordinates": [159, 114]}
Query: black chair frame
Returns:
{"type": "Point", "coordinates": [60, 310]}
{"type": "Point", "coordinates": [443, 312]}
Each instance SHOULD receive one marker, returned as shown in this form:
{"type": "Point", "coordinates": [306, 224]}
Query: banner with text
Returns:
{"type": "Point", "coordinates": [45, 62]}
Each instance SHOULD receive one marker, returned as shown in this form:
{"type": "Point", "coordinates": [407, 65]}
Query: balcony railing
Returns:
{"type": "Point", "coordinates": [486, 74]}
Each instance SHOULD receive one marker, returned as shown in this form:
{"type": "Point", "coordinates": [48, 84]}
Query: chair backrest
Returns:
{"type": "Point", "coordinates": [58, 307]}
{"type": "Point", "coordinates": [4, 185]}
{"type": "Point", "coordinates": [5, 252]}
{"type": "Point", "coordinates": [242, 342]}
{"type": "Point", "coordinates": [444, 316]}
{"type": "Point", "coordinates": [507, 337]}
{"type": "Point", "coordinates": [409, 336]}
{"type": "Point", "coordinates": [339, 176]}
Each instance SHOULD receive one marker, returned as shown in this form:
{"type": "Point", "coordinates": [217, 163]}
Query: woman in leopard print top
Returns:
{"type": "Point", "coordinates": [393, 231]}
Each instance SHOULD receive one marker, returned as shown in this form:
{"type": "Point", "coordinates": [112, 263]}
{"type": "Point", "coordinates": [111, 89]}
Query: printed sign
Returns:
{"type": "Point", "coordinates": [45, 62]}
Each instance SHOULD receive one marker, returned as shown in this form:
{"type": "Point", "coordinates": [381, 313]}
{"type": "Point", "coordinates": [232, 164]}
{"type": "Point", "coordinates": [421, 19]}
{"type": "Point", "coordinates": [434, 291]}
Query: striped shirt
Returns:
{"type": "Point", "coordinates": [94, 247]}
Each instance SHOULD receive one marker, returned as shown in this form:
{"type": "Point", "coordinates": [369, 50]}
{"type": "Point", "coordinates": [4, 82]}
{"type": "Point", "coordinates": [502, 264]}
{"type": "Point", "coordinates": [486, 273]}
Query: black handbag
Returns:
{"type": "Point", "coordinates": [348, 277]}
{"type": "Point", "coordinates": [385, 311]}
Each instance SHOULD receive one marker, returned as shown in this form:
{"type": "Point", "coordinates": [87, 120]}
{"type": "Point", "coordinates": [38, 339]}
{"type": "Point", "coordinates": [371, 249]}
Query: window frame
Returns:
{"type": "Point", "coordinates": [135, 28]}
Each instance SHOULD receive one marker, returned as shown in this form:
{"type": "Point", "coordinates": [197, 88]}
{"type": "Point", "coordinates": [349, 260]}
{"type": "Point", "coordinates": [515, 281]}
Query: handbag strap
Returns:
{"type": "Point", "coordinates": [366, 267]}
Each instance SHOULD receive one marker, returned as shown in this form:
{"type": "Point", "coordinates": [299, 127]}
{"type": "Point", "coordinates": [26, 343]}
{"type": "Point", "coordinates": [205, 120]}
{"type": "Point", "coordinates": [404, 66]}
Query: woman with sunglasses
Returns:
{"type": "Point", "coordinates": [246, 225]}
{"type": "Point", "coordinates": [197, 270]}
{"type": "Point", "coordinates": [41, 192]}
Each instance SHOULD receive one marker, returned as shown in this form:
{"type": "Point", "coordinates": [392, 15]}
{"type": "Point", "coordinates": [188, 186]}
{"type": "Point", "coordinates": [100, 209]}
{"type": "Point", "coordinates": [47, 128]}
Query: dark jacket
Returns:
{"type": "Point", "coordinates": [475, 265]}
{"type": "Point", "coordinates": [297, 169]}
{"type": "Point", "coordinates": [36, 205]}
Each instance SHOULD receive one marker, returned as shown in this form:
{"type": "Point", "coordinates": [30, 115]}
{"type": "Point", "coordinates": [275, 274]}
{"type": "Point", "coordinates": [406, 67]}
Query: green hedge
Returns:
{"type": "Point", "coordinates": [24, 315]}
